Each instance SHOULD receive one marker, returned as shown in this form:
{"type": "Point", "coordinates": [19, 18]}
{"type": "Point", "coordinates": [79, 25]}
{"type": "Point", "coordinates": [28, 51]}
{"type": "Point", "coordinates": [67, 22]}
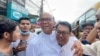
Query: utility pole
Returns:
{"type": "Point", "coordinates": [41, 8]}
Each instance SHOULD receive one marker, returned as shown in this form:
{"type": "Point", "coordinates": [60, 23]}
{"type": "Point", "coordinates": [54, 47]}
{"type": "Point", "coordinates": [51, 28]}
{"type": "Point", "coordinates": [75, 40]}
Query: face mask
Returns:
{"type": "Point", "coordinates": [24, 32]}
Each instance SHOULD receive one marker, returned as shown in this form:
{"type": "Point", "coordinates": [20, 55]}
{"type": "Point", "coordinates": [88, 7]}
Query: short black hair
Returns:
{"type": "Point", "coordinates": [7, 25]}
{"type": "Point", "coordinates": [23, 18]}
{"type": "Point", "coordinates": [67, 24]}
{"type": "Point", "coordinates": [87, 24]}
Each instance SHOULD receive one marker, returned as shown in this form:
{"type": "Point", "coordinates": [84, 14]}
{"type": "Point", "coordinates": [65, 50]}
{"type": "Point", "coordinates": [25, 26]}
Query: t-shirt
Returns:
{"type": "Point", "coordinates": [15, 44]}
{"type": "Point", "coordinates": [84, 41]}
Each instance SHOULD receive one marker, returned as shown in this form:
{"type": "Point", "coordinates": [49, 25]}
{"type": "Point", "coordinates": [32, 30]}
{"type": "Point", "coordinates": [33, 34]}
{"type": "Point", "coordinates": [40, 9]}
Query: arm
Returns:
{"type": "Point", "coordinates": [19, 49]}
{"type": "Point", "coordinates": [92, 36]}
{"type": "Point", "coordinates": [19, 46]}
{"type": "Point", "coordinates": [78, 48]}
{"type": "Point", "coordinates": [90, 49]}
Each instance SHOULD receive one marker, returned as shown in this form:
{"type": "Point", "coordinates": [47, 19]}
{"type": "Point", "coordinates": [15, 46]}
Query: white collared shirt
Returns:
{"type": "Point", "coordinates": [44, 45]}
{"type": "Point", "coordinates": [66, 49]}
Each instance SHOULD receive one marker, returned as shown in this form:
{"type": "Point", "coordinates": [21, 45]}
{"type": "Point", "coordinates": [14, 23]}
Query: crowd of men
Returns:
{"type": "Point", "coordinates": [16, 39]}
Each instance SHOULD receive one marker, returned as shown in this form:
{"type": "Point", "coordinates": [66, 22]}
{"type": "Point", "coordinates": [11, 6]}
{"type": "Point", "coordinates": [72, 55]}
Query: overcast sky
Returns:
{"type": "Point", "coordinates": [68, 10]}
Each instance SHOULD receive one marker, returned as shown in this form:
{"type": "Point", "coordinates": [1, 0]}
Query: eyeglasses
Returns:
{"type": "Point", "coordinates": [46, 19]}
{"type": "Point", "coordinates": [62, 32]}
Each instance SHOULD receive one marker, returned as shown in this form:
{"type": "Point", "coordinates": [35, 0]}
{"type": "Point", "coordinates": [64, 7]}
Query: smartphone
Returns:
{"type": "Point", "coordinates": [23, 43]}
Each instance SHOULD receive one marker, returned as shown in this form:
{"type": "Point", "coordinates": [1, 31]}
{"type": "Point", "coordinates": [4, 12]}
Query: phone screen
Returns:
{"type": "Point", "coordinates": [24, 43]}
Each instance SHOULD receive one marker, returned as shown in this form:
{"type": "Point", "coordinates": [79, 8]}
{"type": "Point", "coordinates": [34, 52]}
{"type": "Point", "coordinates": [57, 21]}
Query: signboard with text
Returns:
{"type": "Point", "coordinates": [33, 20]}
{"type": "Point", "coordinates": [15, 10]}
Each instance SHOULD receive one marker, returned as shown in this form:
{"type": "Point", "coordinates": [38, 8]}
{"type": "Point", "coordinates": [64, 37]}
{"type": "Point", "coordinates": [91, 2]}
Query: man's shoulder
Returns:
{"type": "Point", "coordinates": [33, 34]}
{"type": "Point", "coordinates": [73, 38]}
{"type": "Point", "coordinates": [71, 41]}
{"type": "Point", "coordinates": [97, 43]}
{"type": "Point", "coordinates": [35, 41]}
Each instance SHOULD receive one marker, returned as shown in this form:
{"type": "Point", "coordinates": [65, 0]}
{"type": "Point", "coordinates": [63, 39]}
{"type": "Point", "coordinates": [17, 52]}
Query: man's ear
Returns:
{"type": "Point", "coordinates": [6, 34]}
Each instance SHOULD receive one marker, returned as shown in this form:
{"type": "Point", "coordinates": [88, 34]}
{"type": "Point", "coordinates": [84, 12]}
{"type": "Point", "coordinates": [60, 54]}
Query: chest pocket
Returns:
{"type": "Point", "coordinates": [47, 50]}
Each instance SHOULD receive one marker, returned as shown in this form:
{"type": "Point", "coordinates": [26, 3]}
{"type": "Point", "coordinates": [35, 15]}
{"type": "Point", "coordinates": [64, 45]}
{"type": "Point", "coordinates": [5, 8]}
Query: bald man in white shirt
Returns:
{"type": "Point", "coordinates": [45, 44]}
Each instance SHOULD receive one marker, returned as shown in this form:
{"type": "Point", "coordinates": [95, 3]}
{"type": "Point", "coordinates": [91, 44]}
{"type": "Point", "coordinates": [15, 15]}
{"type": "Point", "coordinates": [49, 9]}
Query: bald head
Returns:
{"type": "Point", "coordinates": [47, 22]}
{"type": "Point", "coordinates": [46, 14]}
{"type": "Point", "coordinates": [98, 15]}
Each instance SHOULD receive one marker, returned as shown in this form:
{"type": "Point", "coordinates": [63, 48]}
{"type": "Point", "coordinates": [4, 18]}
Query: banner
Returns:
{"type": "Point", "coordinates": [16, 11]}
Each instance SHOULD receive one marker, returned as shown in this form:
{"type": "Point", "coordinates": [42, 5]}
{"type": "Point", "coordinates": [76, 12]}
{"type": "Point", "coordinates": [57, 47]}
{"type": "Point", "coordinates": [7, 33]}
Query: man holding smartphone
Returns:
{"type": "Point", "coordinates": [25, 37]}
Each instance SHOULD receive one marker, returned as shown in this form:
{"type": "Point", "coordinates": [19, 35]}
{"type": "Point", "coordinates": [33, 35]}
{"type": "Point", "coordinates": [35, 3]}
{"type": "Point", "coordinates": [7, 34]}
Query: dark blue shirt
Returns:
{"type": "Point", "coordinates": [84, 41]}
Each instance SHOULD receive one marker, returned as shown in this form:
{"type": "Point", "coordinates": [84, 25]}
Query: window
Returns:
{"type": "Point", "coordinates": [90, 13]}
{"type": "Point", "coordinates": [91, 19]}
{"type": "Point", "coordinates": [82, 19]}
